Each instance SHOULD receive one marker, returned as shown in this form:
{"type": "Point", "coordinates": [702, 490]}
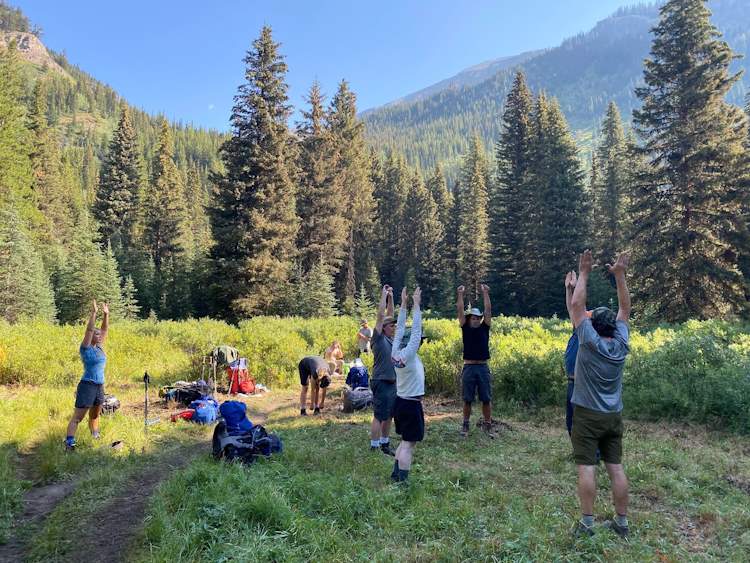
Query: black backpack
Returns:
{"type": "Point", "coordinates": [245, 447]}
{"type": "Point", "coordinates": [110, 404]}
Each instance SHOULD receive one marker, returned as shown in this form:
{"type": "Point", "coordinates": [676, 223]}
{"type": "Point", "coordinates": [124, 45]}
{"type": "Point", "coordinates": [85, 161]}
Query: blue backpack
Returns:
{"type": "Point", "coordinates": [206, 410]}
{"type": "Point", "coordinates": [235, 437]}
{"type": "Point", "coordinates": [235, 418]}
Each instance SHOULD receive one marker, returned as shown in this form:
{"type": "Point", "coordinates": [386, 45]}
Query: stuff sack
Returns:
{"type": "Point", "coordinates": [110, 404]}
{"type": "Point", "coordinates": [235, 418]}
{"type": "Point", "coordinates": [206, 411]}
{"type": "Point", "coordinates": [357, 399]}
{"type": "Point", "coordinates": [245, 448]}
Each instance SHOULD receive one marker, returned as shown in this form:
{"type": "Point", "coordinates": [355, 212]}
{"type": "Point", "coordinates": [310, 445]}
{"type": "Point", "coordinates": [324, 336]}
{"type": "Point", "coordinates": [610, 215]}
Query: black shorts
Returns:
{"type": "Point", "coordinates": [409, 418]}
{"type": "Point", "coordinates": [476, 380]}
{"type": "Point", "coordinates": [383, 398]}
{"type": "Point", "coordinates": [89, 394]}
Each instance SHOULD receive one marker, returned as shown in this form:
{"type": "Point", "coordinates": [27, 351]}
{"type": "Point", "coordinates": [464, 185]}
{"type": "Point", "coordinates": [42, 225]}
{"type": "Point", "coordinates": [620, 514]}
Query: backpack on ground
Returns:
{"type": "Point", "coordinates": [357, 399]}
{"type": "Point", "coordinates": [235, 437]}
{"type": "Point", "coordinates": [240, 380]}
{"type": "Point", "coordinates": [185, 392]}
{"type": "Point", "coordinates": [206, 410]}
{"type": "Point", "coordinates": [110, 404]}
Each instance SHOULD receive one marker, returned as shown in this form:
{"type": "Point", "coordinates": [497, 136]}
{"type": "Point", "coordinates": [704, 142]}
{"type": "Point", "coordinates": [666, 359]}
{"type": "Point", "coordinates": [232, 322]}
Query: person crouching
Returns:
{"type": "Point", "coordinates": [407, 411]}
{"type": "Point", "coordinates": [317, 369]}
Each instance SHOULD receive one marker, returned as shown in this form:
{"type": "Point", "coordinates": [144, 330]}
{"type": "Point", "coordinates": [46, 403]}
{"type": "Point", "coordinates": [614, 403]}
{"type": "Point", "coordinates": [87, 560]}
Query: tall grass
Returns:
{"type": "Point", "coordinates": [697, 371]}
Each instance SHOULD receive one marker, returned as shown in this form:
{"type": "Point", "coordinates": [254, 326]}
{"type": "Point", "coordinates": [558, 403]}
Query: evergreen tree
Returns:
{"type": "Point", "coordinates": [130, 307]}
{"type": "Point", "coordinates": [164, 217]}
{"type": "Point", "coordinates": [438, 187]}
{"type": "Point", "coordinates": [610, 189]}
{"type": "Point", "coordinates": [472, 244]}
{"type": "Point", "coordinates": [559, 208]}
{"type": "Point", "coordinates": [116, 204]}
{"type": "Point", "coordinates": [253, 218]}
{"type": "Point", "coordinates": [388, 236]}
{"type": "Point", "coordinates": [689, 230]}
{"type": "Point", "coordinates": [510, 200]}
{"type": "Point", "coordinates": [25, 291]}
{"type": "Point", "coordinates": [364, 307]}
{"type": "Point", "coordinates": [323, 233]}
{"type": "Point", "coordinates": [319, 295]}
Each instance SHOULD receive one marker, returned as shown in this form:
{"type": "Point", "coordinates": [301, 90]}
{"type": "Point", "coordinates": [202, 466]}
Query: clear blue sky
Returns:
{"type": "Point", "coordinates": [184, 58]}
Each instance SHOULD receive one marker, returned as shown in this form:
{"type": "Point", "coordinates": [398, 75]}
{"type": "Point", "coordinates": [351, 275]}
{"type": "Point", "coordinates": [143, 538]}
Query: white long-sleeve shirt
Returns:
{"type": "Point", "coordinates": [406, 362]}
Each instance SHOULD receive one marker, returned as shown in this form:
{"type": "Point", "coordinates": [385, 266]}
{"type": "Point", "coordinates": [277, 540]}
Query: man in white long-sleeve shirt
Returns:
{"type": "Point", "coordinates": [407, 412]}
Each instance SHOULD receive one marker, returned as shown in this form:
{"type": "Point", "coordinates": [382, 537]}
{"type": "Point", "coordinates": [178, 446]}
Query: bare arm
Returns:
{"type": "Point", "coordinates": [570, 284]}
{"type": "Point", "coordinates": [90, 326]}
{"type": "Point", "coordinates": [389, 304]}
{"type": "Point", "coordinates": [381, 308]}
{"type": "Point", "coordinates": [105, 325]}
{"type": "Point", "coordinates": [578, 301]}
{"type": "Point", "coordinates": [460, 306]}
{"type": "Point", "coordinates": [487, 305]}
{"type": "Point", "coordinates": [623, 295]}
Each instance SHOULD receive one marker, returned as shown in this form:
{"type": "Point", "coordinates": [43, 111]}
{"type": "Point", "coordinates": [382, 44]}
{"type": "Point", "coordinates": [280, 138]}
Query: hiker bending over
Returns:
{"type": "Point", "coordinates": [383, 381]}
{"type": "Point", "coordinates": [317, 369]}
{"type": "Point", "coordinates": [571, 351]}
{"type": "Point", "coordinates": [90, 390]}
{"type": "Point", "coordinates": [597, 397]}
{"type": "Point", "coordinates": [407, 411]}
{"type": "Point", "coordinates": [335, 356]}
{"type": "Point", "coordinates": [476, 377]}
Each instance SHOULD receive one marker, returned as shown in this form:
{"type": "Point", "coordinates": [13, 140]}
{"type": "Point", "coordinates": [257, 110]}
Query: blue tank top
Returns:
{"type": "Point", "coordinates": [94, 359]}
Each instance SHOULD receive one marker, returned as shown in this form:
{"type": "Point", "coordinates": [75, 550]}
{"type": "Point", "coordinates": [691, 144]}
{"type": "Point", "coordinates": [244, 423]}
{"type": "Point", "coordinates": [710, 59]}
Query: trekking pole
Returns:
{"type": "Point", "coordinates": [146, 380]}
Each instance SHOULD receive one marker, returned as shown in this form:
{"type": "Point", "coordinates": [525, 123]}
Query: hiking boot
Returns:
{"type": "Point", "coordinates": [487, 429]}
{"type": "Point", "coordinates": [386, 449]}
{"type": "Point", "coordinates": [582, 530]}
{"type": "Point", "coordinates": [622, 531]}
{"type": "Point", "coordinates": [317, 410]}
{"type": "Point", "coordinates": [465, 429]}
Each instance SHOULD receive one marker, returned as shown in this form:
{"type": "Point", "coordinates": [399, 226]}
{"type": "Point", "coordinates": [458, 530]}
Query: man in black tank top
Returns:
{"type": "Point", "coordinates": [475, 377]}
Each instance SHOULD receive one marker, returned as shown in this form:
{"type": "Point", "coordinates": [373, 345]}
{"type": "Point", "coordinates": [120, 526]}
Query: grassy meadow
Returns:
{"type": "Point", "coordinates": [687, 396]}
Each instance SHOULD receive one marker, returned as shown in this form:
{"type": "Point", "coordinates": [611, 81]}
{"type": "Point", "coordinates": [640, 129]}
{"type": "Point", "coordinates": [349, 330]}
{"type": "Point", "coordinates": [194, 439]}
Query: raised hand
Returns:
{"type": "Point", "coordinates": [485, 288]}
{"type": "Point", "coordinates": [404, 297]}
{"type": "Point", "coordinates": [586, 262]}
{"type": "Point", "coordinates": [461, 290]}
{"type": "Point", "coordinates": [417, 296]}
{"type": "Point", "coordinates": [571, 279]}
{"type": "Point", "coordinates": [105, 308]}
{"type": "Point", "coordinates": [94, 308]}
{"type": "Point", "coordinates": [621, 265]}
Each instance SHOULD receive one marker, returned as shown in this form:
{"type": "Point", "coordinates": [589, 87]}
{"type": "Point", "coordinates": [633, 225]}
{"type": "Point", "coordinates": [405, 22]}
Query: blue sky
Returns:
{"type": "Point", "coordinates": [184, 58]}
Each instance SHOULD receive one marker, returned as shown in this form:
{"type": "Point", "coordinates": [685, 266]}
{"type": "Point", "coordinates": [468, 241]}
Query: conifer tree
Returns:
{"type": "Point", "coordinates": [391, 194]}
{"type": "Point", "coordinates": [130, 307]}
{"type": "Point", "coordinates": [559, 208]}
{"type": "Point", "coordinates": [252, 214]}
{"type": "Point", "coordinates": [116, 203]}
{"type": "Point", "coordinates": [25, 291]}
{"type": "Point", "coordinates": [510, 200]}
{"type": "Point", "coordinates": [472, 237]}
{"type": "Point", "coordinates": [438, 187]}
{"type": "Point", "coordinates": [689, 230]}
{"type": "Point", "coordinates": [363, 305]}
{"type": "Point", "coordinates": [319, 295]}
{"type": "Point", "coordinates": [323, 233]}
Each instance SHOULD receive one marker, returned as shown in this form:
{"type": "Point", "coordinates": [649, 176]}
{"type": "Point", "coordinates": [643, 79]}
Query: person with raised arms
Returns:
{"type": "Point", "coordinates": [90, 390]}
{"type": "Point", "coordinates": [597, 396]}
{"type": "Point", "coordinates": [476, 377]}
{"type": "Point", "coordinates": [407, 411]}
{"type": "Point", "coordinates": [383, 380]}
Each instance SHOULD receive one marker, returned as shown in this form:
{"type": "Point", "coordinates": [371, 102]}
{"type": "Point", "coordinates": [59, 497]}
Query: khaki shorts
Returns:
{"type": "Point", "coordinates": [594, 430]}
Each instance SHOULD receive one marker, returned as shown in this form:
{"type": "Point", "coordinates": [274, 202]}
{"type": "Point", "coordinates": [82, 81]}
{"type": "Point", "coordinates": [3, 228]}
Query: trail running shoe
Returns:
{"type": "Point", "coordinates": [487, 428]}
{"type": "Point", "coordinates": [386, 449]}
{"type": "Point", "coordinates": [303, 412]}
{"type": "Point", "coordinates": [582, 530]}
{"type": "Point", "coordinates": [622, 531]}
{"type": "Point", "coordinates": [465, 429]}
{"type": "Point", "coordinates": [317, 410]}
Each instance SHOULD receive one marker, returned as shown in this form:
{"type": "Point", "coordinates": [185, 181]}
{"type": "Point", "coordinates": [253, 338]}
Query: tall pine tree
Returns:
{"type": "Point", "coordinates": [253, 217]}
{"type": "Point", "coordinates": [689, 231]}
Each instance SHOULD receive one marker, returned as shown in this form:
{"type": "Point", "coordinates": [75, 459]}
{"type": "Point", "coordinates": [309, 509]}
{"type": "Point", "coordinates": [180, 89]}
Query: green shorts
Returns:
{"type": "Point", "coordinates": [594, 430]}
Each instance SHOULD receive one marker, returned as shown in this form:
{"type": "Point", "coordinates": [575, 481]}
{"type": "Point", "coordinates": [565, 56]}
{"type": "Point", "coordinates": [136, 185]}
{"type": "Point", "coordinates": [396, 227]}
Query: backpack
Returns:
{"type": "Point", "coordinates": [240, 380]}
{"type": "Point", "coordinates": [225, 355]}
{"type": "Point", "coordinates": [357, 399]}
{"type": "Point", "coordinates": [110, 404]}
{"type": "Point", "coordinates": [246, 447]}
{"type": "Point", "coordinates": [235, 418]}
{"type": "Point", "coordinates": [185, 392]}
{"type": "Point", "coordinates": [205, 411]}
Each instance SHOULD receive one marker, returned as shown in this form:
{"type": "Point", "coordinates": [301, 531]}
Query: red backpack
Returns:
{"type": "Point", "coordinates": [240, 380]}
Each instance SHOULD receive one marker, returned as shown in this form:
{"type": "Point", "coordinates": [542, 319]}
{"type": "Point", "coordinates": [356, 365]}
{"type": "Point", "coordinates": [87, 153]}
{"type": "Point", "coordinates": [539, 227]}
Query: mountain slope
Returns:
{"type": "Point", "coordinates": [585, 72]}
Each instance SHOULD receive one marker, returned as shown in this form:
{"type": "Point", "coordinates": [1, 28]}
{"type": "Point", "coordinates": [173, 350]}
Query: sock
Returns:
{"type": "Point", "coordinates": [385, 440]}
{"type": "Point", "coordinates": [587, 520]}
{"type": "Point", "coordinates": [374, 443]}
{"type": "Point", "coordinates": [403, 474]}
{"type": "Point", "coordinates": [621, 520]}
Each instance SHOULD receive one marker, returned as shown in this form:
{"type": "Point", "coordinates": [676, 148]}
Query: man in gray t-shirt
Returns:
{"type": "Point", "coordinates": [597, 397]}
{"type": "Point", "coordinates": [383, 380]}
{"type": "Point", "coordinates": [363, 337]}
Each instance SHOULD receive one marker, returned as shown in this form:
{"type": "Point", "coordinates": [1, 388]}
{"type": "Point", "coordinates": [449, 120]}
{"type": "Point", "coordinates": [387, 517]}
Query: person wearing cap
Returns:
{"type": "Point", "coordinates": [571, 352]}
{"type": "Point", "coordinates": [597, 396]}
{"type": "Point", "coordinates": [383, 380]}
{"type": "Point", "coordinates": [364, 336]}
{"type": "Point", "coordinates": [318, 370]}
{"type": "Point", "coordinates": [407, 411]}
{"type": "Point", "coordinates": [475, 377]}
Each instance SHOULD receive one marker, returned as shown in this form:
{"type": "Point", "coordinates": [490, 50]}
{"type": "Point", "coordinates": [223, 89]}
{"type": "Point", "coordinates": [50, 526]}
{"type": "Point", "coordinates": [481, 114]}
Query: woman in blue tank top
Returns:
{"type": "Point", "coordinates": [90, 391]}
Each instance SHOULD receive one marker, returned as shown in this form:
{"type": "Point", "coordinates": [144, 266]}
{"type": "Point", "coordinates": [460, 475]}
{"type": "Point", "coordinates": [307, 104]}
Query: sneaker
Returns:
{"type": "Point", "coordinates": [582, 530]}
{"type": "Point", "coordinates": [465, 429]}
{"type": "Point", "coordinates": [317, 410]}
{"type": "Point", "coordinates": [70, 445]}
{"type": "Point", "coordinates": [386, 449]}
{"type": "Point", "coordinates": [303, 412]}
{"type": "Point", "coordinates": [622, 531]}
{"type": "Point", "coordinates": [96, 435]}
{"type": "Point", "coordinates": [374, 448]}
{"type": "Point", "coordinates": [487, 428]}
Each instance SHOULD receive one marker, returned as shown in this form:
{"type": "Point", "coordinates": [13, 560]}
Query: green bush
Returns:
{"type": "Point", "coordinates": [697, 371]}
